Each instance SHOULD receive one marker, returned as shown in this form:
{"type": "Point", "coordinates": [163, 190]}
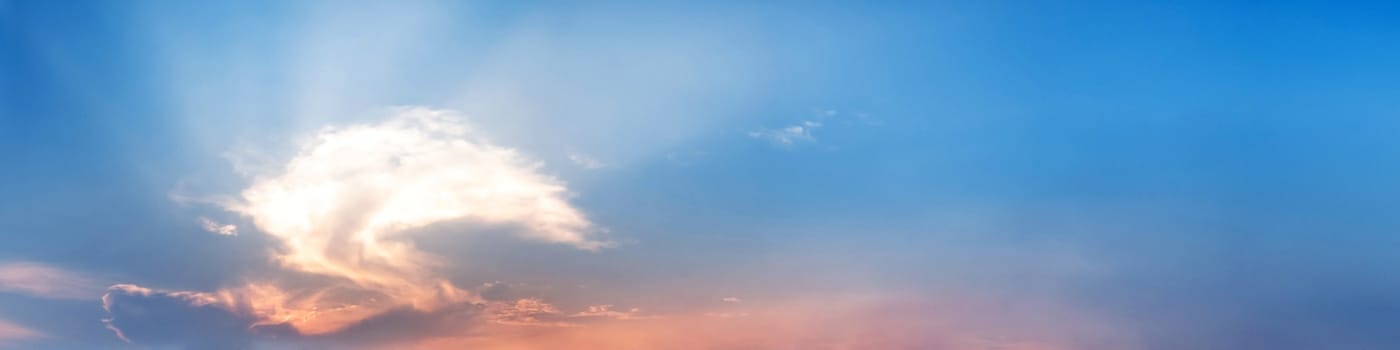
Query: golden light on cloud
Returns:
{"type": "Point", "coordinates": [344, 206]}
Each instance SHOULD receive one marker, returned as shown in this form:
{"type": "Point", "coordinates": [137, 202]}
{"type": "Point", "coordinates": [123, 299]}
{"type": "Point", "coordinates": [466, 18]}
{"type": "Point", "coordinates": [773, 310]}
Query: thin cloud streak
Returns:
{"type": "Point", "coordinates": [11, 333]}
{"type": "Point", "coordinates": [586, 161]}
{"type": "Point", "coordinates": [789, 135]}
{"type": "Point", "coordinates": [217, 228]}
{"type": "Point", "coordinates": [44, 281]}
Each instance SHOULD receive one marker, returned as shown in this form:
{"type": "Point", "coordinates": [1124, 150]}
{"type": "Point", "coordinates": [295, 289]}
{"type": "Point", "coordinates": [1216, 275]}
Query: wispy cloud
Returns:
{"type": "Point", "coordinates": [528, 312]}
{"type": "Point", "coordinates": [11, 333]}
{"type": "Point", "coordinates": [43, 281]}
{"type": "Point", "coordinates": [537, 312]}
{"type": "Point", "coordinates": [217, 228]}
{"type": "Point", "coordinates": [789, 135]}
{"type": "Point", "coordinates": [611, 312]}
{"type": "Point", "coordinates": [229, 319]}
{"type": "Point", "coordinates": [585, 161]}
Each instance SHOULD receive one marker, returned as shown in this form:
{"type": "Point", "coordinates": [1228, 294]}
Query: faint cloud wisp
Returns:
{"type": "Point", "coordinates": [217, 228]}
{"type": "Point", "coordinates": [789, 135]}
{"type": "Point", "coordinates": [11, 333]}
{"type": "Point", "coordinates": [43, 281]}
{"type": "Point", "coordinates": [586, 161]}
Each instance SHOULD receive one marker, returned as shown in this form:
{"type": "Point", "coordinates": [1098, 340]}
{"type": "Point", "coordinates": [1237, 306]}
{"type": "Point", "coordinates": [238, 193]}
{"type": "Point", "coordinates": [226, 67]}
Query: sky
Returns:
{"type": "Point", "coordinates": [952, 175]}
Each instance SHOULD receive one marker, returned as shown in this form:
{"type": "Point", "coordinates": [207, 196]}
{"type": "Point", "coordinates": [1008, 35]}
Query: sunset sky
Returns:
{"type": "Point", "coordinates": [938, 175]}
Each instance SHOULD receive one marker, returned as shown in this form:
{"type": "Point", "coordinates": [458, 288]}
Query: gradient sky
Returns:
{"type": "Point", "coordinates": [961, 175]}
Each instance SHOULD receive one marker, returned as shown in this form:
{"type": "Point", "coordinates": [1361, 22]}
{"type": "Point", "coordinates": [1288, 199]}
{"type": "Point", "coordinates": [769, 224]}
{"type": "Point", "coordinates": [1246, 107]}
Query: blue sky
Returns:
{"type": "Point", "coordinates": [959, 175]}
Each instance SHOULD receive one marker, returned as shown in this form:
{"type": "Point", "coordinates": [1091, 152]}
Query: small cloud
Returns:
{"type": "Point", "coordinates": [789, 135]}
{"type": "Point", "coordinates": [218, 228]}
{"type": "Point", "coordinates": [528, 312]}
{"type": "Point", "coordinates": [586, 162]}
{"type": "Point", "coordinates": [731, 300]}
{"type": "Point", "coordinates": [536, 312]}
{"type": "Point", "coordinates": [607, 311]}
{"type": "Point", "coordinates": [43, 281]}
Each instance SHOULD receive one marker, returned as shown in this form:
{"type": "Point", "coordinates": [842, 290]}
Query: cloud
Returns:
{"type": "Point", "coordinates": [804, 131]}
{"type": "Point", "coordinates": [227, 320]}
{"type": "Point", "coordinates": [789, 135]}
{"type": "Point", "coordinates": [731, 300]}
{"type": "Point", "coordinates": [586, 161]}
{"type": "Point", "coordinates": [343, 211]}
{"type": "Point", "coordinates": [609, 311]}
{"type": "Point", "coordinates": [190, 320]}
{"type": "Point", "coordinates": [11, 333]}
{"type": "Point", "coordinates": [343, 206]}
{"type": "Point", "coordinates": [536, 312]}
{"type": "Point", "coordinates": [528, 312]}
{"type": "Point", "coordinates": [45, 281]}
{"type": "Point", "coordinates": [370, 183]}
{"type": "Point", "coordinates": [217, 228]}
{"type": "Point", "coordinates": [239, 319]}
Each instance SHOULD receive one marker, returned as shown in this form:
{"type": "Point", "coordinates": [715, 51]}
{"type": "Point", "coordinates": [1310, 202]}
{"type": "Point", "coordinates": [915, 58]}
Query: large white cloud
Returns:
{"type": "Point", "coordinates": [343, 208]}
{"type": "Point", "coordinates": [343, 203]}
